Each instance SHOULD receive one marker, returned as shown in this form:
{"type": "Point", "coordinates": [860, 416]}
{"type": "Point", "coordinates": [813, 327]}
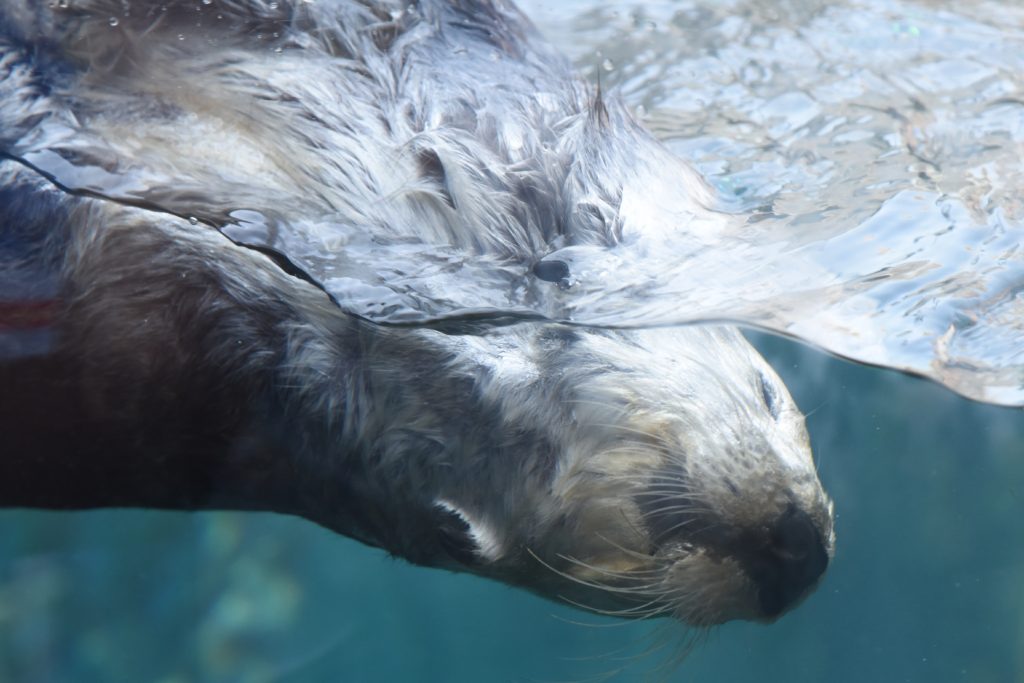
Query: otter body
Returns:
{"type": "Point", "coordinates": [160, 351]}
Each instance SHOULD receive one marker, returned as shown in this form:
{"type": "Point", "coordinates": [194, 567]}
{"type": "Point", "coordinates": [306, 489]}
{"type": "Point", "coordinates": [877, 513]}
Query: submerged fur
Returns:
{"type": "Point", "coordinates": [638, 473]}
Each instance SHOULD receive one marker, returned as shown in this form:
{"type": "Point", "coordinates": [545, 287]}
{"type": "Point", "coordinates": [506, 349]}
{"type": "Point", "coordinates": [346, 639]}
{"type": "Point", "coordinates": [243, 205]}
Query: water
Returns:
{"type": "Point", "coordinates": [885, 136]}
{"type": "Point", "coordinates": [866, 156]}
{"type": "Point", "coordinates": [838, 125]}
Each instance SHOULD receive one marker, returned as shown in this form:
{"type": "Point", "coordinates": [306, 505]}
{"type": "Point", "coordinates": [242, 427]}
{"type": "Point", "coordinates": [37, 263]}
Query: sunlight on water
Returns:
{"type": "Point", "coordinates": [867, 161]}
{"type": "Point", "coordinates": [886, 139]}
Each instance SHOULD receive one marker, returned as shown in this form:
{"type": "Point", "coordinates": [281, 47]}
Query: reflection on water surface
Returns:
{"type": "Point", "coordinates": [869, 154]}
{"type": "Point", "coordinates": [866, 156]}
{"type": "Point", "coordinates": [877, 144]}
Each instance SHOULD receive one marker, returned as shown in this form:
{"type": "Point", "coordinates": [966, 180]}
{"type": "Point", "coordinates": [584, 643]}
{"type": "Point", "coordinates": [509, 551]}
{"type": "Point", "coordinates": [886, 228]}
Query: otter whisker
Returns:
{"type": "Point", "coordinates": [635, 613]}
{"type": "Point", "coordinates": [662, 637]}
{"type": "Point", "coordinates": [654, 442]}
{"type": "Point", "coordinates": [584, 582]}
{"type": "Point", "coordinates": [659, 639]}
{"type": "Point", "coordinates": [669, 494]}
{"type": "Point", "coordinates": [690, 500]}
{"type": "Point", "coordinates": [636, 448]}
{"type": "Point", "coordinates": [673, 503]}
{"type": "Point", "coordinates": [631, 575]}
{"type": "Point", "coordinates": [680, 525]}
{"type": "Point", "coordinates": [587, 624]}
{"type": "Point", "coordinates": [632, 553]}
{"type": "Point", "coordinates": [657, 482]}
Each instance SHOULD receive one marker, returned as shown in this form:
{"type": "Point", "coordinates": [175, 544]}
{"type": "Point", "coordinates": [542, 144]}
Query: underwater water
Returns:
{"type": "Point", "coordinates": [928, 579]}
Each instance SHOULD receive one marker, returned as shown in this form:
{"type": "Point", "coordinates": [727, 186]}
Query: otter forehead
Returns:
{"type": "Point", "coordinates": [701, 394]}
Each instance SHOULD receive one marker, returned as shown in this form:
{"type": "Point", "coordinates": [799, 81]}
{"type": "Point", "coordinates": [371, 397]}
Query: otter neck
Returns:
{"type": "Point", "coordinates": [138, 420]}
{"type": "Point", "coordinates": [163, 396]}
{"type": "Point", "coordinates": [79, 434]}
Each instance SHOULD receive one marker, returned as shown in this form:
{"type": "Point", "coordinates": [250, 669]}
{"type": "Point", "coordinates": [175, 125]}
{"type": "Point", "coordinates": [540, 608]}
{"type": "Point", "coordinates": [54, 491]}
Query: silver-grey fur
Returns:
{"type": "Point", "coordinates": [637, 472]}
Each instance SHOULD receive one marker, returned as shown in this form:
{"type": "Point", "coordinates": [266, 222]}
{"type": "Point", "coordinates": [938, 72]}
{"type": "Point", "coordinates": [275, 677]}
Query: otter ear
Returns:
{"type": "Point", "coordinates": [464, 539]}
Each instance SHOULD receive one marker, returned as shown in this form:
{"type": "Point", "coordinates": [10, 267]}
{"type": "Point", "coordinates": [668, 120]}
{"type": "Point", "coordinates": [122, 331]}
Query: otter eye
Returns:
{"type": "Point", "coordinates": [768, 395]}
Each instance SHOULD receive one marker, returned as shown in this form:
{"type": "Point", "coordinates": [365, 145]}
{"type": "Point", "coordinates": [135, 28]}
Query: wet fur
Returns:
{"type": "Point", "coordinates": [626, 471]}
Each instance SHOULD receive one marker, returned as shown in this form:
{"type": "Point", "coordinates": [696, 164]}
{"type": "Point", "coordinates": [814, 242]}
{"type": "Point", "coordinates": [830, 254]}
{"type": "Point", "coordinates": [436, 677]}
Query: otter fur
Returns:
{"type": "Point", "coordinates": [176, 362]}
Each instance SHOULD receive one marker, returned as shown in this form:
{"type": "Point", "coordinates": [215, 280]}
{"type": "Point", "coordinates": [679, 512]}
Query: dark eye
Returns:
{"type": "Point", "coordinates": [771, 399]}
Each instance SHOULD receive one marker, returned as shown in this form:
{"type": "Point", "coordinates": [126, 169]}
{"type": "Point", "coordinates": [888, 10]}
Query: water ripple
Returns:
{"type": "Point", "coordinates": [867, 153]}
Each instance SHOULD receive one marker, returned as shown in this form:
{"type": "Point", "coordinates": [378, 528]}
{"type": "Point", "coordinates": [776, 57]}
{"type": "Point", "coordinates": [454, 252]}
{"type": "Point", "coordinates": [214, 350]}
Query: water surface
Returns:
{"type": "Point", "coordinates": [871, 155]}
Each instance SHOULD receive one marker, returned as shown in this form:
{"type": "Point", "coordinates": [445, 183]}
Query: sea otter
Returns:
{"type": "Point", "coordinates": [171, 169]}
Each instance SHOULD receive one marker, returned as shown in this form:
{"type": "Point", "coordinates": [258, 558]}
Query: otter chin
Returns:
{"type": "Point", "coordinates": [157, 352]}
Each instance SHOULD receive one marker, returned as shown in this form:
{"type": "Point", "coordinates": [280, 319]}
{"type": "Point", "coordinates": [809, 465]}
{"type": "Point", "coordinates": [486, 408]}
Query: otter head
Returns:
{"type": "Point", "coordinates": [674, 477]}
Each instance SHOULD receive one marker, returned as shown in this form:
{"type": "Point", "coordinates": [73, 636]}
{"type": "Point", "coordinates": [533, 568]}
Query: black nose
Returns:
{"type": "Point", "coordinates": [788, 562]}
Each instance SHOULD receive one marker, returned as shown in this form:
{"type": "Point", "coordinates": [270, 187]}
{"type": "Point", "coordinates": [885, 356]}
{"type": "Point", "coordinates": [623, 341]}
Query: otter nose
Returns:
{"type": "Point", "coordinates": [789, 563]}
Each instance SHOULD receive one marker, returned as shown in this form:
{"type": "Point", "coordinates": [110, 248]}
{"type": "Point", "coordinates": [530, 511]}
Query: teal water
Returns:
{"type": "Point", "coordinates": [928, 579]}
{"type": "Point", "coordinates": [927, 583]}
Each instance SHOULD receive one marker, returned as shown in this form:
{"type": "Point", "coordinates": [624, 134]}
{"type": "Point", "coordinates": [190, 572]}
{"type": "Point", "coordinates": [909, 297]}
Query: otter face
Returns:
{"type": "Point", "coordinates": [683, 483]}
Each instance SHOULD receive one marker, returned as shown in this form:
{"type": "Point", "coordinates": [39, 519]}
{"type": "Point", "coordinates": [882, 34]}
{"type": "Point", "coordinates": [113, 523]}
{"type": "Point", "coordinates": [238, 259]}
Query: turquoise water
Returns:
{"type": "Point", "coordinates": [927, 583]}
{"type": "Point", "coordinates": [928, 579]}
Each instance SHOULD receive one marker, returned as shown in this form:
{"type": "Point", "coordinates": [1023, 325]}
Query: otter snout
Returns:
{"type": "Point", "coordinates": [775, 562]}
{"type": "Point", "coordinates": [786, 563]}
